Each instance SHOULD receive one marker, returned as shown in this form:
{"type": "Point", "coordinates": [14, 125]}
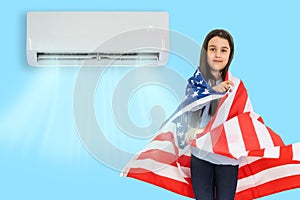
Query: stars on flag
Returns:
{"type": "Point", "coordinates": [206, 91]}
{"type": "Point", "coordinates": [180, 134]}
{"type": "Point", "coordinates": [195, 93]}
{"type": "Point", "coordinates": [178, 125]}
{"type": "Point", "coordinates": [197, 73]}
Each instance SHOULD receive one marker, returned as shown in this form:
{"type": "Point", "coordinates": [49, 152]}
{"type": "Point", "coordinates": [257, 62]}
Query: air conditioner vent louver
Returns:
{"type": "Point", "coordinates": [97, 58]}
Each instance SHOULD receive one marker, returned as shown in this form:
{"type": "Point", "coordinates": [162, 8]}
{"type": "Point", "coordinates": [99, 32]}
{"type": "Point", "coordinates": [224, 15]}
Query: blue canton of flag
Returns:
{"type": "Point", "coordinates": [197, 88]}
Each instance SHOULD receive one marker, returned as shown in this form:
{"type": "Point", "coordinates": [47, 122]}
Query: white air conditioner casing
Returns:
{"type": "Point", "coordinates": [97, 38]}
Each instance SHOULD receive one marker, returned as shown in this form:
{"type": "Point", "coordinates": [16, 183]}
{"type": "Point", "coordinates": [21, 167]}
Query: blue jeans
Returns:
{"type": "Point", "coordinates": [211, 181]}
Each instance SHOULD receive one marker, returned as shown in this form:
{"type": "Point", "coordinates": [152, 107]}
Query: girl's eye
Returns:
{"type": "Point", "coordinates": [224, 50]}
{"type": "Point", "coordinates": [212, 49]}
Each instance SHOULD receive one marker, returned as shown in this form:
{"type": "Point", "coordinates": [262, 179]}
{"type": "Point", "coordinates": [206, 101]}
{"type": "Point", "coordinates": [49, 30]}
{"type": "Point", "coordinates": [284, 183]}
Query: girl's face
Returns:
{"type": "Point", "coordinates": [218, 52]}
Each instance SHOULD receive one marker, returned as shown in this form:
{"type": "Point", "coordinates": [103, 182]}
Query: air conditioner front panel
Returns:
{"type": "Point", "coordinates": [105, 32]}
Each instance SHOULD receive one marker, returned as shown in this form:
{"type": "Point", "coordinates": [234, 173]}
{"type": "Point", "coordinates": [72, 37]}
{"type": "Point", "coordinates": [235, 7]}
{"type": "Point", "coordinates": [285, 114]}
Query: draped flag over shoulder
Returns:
{"type": "Point", "coordinates": [267, 166]}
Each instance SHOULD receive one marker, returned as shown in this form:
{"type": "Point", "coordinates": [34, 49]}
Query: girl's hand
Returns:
{"type": "Point", "coordinates": [224, 86]}
{"type": "Point", "coordinates": [192, 133]}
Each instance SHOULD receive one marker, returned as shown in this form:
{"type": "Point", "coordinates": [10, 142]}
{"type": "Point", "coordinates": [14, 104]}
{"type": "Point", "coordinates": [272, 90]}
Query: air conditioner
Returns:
{"type": "Point", "coordinates": [97, 38]}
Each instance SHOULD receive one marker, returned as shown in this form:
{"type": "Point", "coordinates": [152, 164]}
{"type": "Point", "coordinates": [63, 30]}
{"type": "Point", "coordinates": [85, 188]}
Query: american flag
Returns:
{"type": "Point", "coordinates": [267, 165]}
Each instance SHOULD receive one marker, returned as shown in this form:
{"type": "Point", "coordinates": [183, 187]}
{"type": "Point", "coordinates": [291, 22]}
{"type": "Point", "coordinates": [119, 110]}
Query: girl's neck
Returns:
{"type": "Point", "coordinates": [216, 74]}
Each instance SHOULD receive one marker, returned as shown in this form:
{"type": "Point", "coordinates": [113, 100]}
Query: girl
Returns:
{"type": "Point", "coordinates": [213, 176]}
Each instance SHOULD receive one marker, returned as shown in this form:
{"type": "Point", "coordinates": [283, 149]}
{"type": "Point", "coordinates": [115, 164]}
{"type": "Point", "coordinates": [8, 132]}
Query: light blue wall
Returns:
{"type": "Point", "coordinates": [41, 156]}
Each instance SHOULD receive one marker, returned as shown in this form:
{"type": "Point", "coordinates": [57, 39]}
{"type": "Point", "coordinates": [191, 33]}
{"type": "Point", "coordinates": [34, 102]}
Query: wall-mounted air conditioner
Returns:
{"type": "Point", "coordinates": [97, 38]}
